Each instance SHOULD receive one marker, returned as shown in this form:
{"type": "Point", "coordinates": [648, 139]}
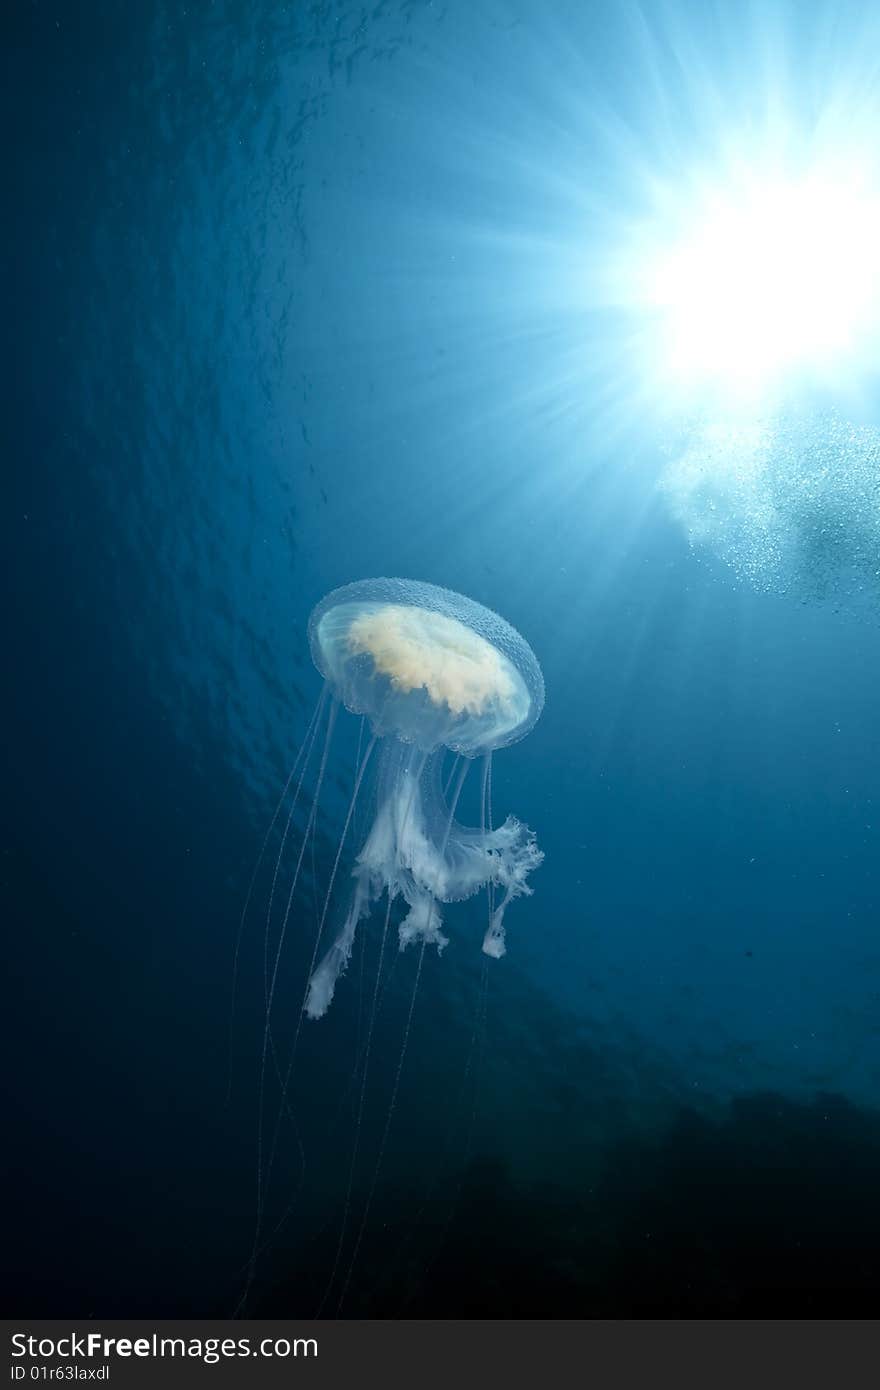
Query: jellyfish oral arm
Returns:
{"type": "Point", "coordinates": [395, 859]}
{"type": "Point", "coordinates": [417, 850]}
{"type": "Point", "coordinates": [323, 981]}
{"type": "Point", "coordinates": [516, 855]}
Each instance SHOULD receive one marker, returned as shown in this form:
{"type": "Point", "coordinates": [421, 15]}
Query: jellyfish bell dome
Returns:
{"type": "Point", "coordinates": [427, 665]}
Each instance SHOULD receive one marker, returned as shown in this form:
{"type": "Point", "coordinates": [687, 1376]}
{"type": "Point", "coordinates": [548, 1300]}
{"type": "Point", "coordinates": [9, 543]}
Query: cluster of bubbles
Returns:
{"type": "Point", "coordinates": [790, 504]}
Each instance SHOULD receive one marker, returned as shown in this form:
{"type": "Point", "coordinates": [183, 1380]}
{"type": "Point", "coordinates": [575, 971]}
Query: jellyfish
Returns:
{"type": "Point", "coordinates": [434, 676]}
{"type": "Point", "coordinates": [433, 673]}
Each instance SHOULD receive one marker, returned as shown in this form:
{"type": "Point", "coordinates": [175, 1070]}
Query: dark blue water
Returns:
{"type": "Point", "coordinates": [302, 294]}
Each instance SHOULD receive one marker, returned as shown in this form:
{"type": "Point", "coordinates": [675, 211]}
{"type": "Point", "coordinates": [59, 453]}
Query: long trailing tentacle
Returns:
{"type": "Point", "coordinates": [288, 1076]}
{"type": "Point", "coordinates": [331, 721]}
{"type": "Point", "coordinates": [448, 783]}
{"type": "Point", "coordinates": [471, 1070]}
{"type": "Point", "coordinates": [360, 1113]}
{"type": "Point", "coordinates": [486, 822]}
{"type": "Point", "coordinates": [281, 848]}
{"type": "Point", "coordinates": [459, 783]}
{"type": "Point", "coordinates": [419, 769]}
{"type": "Point", "coordinates": [384, 1142]}
{"type": "Point", "coordinates": [303, 755]}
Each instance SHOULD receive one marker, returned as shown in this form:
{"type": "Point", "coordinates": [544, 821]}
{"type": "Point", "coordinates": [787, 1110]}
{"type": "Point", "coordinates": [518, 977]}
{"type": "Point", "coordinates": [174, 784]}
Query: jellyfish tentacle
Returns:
{"type": "Point", "coordinates": [384, 1142]}
{"type": "Point", "coordinates": [359, 906]}
{"type": "Point", "coordinates": [372, 875]}
{"type": "Point", "coordinates": [484, 784]}
{"type": "Point", "coordinates": [261, 1183]}
{"type": "Point", "coordinates": [459, 783]}
{"type": "Point", "coordinates": [489, 790]}
{"type": "Point", "coordinates": [286, 1083]}
{"type": "Point", "coordinates": [304, 752]}
{"type": "Point", "coordinates": [367, 878]}
{"type": "Point", "coordinates": [360, 1113]}
{"type": "Point", "coordinates": [486, 820]}
{"type": "Point", "coordinates": [271, 903]}
{"type": "Point", "coordinates": [448, 783]}
{"type": "Point", "coordinates": [430, 1189]}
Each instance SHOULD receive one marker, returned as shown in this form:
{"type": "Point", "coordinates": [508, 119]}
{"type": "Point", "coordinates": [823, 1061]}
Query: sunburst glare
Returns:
{"type": "Point", "coordinates": [772, 277]}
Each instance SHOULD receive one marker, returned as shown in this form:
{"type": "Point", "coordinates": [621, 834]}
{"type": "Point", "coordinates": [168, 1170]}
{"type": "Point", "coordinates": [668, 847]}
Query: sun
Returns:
{"type": "Point", "coordinates": [768, 278]}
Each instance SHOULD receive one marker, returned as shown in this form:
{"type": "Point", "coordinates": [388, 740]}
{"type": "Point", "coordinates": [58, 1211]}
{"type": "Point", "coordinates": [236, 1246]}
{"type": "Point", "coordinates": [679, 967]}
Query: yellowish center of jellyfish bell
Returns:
{"type": "Point", "coordinates": [417, 648]}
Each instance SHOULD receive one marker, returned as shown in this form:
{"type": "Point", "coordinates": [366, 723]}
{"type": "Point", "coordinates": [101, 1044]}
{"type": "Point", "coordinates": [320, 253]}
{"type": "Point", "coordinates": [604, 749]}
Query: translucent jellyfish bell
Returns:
{"type": "Point", "coordinates": [431, 670]}
{"type": "Point", "coordinates": [428, 665]}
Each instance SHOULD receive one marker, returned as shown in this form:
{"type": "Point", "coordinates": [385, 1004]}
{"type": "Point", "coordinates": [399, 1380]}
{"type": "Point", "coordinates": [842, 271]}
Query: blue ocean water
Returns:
{"type": "Point", "coordinates": [304, 294]}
